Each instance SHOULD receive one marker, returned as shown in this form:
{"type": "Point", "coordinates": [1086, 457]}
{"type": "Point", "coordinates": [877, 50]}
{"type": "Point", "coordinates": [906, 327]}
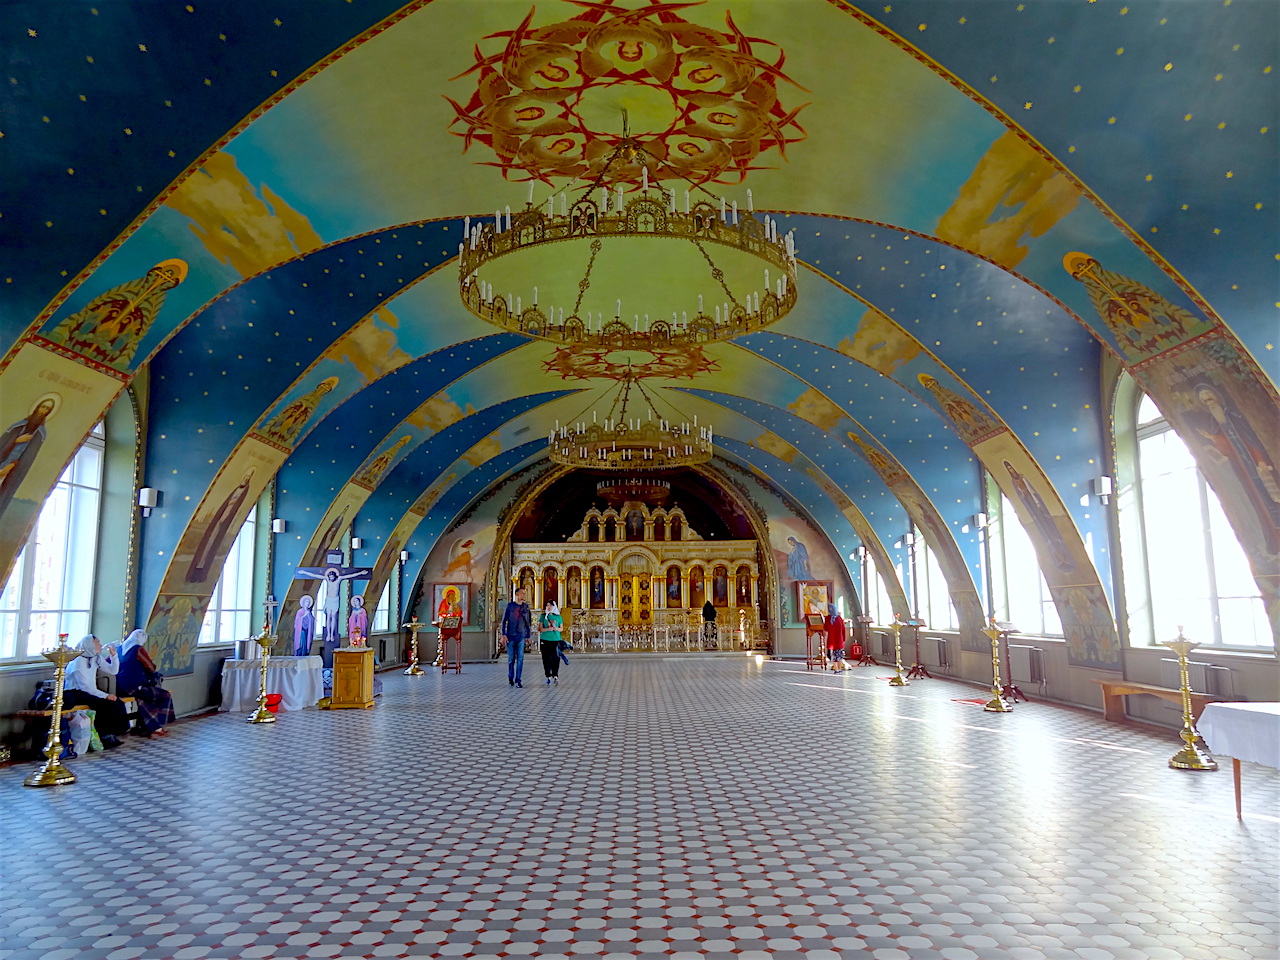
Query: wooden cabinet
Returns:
{"type": "Point", "coordinates": [352, 678]}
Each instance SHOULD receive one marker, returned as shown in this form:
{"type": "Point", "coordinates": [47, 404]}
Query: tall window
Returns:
{"type": "Point", "coordinates": [1196, 575]}
{"type": "Point", "coordinates": [1019, 588]}
{"type": "Point", "coordinates": [50, 590]}
{"type": "Point", "coordinates": [230, 617]}
{"type": "Point", "coordinates": [935, 600]}
{"type": "Point", "coordinates": [382, 613]}
{"type": "Point", "coordinates": [876, 597]}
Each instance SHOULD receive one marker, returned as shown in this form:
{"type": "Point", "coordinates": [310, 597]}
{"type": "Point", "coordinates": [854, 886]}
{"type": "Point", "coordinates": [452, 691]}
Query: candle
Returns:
{"type": "Point", "coordinates": [699, 304]}
{"type": "Point", "coordinates": [673, 199]}
{"type": "Point", "coordinates": [644, 179]}
{"type": "Point", "coordinates": [508, 217]}
{"type": "Point", "coordinates": [618, 312]}
{"type": "Point", "coordinates": [686, 201]}
{"type": "Point", "coordinates": [535, 290]}
{"type": "Point", "coordinates": [564, 205]}
{"type": "Point", "coordinates": [530, 193]}
{"type": "Point", "coordinates": [751, 207]}
{"type": "Point", "coordinates": [735, 213]}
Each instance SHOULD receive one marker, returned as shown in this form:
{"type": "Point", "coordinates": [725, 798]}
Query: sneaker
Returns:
{"type": "Point", "coordinates": [519, 684]}
{"type": "Point", "coordinates": [548, 681]}
{"type": "Point", "coordinates": [510, 682]}
{"type": "Point", "coordinates": [556, 681]}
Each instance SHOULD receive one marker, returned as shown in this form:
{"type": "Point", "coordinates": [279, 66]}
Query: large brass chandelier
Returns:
{"type": "Point", "coordinates": [617, 441]}
{"type": "Point", "coordinates": [628, 265]}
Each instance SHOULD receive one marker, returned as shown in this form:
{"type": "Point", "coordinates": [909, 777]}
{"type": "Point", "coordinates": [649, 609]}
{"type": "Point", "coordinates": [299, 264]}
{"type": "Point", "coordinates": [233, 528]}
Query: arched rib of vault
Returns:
{"type": "Point", "coordinates": [416, 401]}
{"type": "Point", "coordinates": [1065, 562]}
{"type": "Point", "coordinates": [779, 474]}
{"type": "Point", "coordinates": [165, 143]}
{"type": "Point", "coordinates": [892, 418]}
{"type": "Point", "coordinates": [183, 464]}
{"type": "Point", "coordinates": [836, 458]}
{"type": "Point", "coordinates": [1151, 162]}
{"type": "Point", "coordinates": [905, 304]}
{"type": "Point", "coordinates": [421, 465]}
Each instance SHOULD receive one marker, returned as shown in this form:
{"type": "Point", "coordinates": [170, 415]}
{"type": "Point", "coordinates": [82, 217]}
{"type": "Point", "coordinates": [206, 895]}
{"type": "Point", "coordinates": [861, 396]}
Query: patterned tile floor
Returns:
{"type": "Point", "coordinates": [661, 807]}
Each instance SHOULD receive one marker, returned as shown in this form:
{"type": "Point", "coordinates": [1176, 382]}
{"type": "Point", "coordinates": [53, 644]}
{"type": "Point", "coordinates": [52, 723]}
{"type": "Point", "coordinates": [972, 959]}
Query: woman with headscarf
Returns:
{"type": "Point", "coordinates": [551, 630]}
{"type": "Point", "coordinates": [139, 678]}
{"type": "Point", "coordinates": [81, 690]}
{"type": "Point", "coordinates": [835, 636]}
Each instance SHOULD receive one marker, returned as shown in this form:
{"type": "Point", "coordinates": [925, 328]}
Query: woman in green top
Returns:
{"type": "Point", "coordinates": [551, 625]}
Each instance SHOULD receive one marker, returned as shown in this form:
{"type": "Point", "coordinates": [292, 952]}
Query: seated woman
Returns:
{"type": "Point", "coordinates": [138, 678]}
{"type": "Point", "coordinates": [81, 689]}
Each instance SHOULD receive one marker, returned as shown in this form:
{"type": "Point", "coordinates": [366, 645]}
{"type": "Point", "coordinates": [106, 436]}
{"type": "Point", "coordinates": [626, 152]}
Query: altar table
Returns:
{"type": "Point", "coordinates": [1242, 731]}
{"type": "Point", "coordinates": [299, 681]}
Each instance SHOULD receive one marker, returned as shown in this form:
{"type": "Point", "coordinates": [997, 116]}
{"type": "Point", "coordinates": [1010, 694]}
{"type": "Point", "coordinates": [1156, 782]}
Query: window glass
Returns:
{"type": "Point", "coordinates": [1021, 593]}
{"type": "Point", "coordinates": [382, 613]}
{"type": "Point", "coordinates": [229, 617]}
{"type": "Point", "coordinates": [50, 589]}
{"type": "Point", "coordinates": [1197, 574]}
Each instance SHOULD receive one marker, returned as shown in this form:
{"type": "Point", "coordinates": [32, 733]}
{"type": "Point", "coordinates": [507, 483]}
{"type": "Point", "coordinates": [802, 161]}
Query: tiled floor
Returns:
{"type": "Point", "coordinates": [675, 807]}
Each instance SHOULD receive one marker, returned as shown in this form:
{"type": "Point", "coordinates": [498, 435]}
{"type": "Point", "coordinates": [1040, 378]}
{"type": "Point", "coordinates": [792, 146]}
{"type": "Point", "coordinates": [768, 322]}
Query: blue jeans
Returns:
{"type": "Point", "coordinates": [515, 658]}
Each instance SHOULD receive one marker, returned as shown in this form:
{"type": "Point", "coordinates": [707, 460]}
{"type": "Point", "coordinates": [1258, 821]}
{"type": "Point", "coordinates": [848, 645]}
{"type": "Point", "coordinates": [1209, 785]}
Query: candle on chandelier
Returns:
{"type": "Point", "coordinates": [508, 217]}
{"type": "Point", "coordinates": [535, 295]}
{"type": "Point", "coordinates": [751, 207]}
{"type": "Point", "coordinates": [735, 213]}
{"type": "Point", "coordinates": [699, 304]}
{"type": "Point", "coordinates": [644, 179]}
{"type": "Point", "coordinates": [723, 215]}
{"type": "Point", "coordinates": [497, 221]}
{"type": "Point", "coordinates": [618, 312]}
{"type": "Point", "coordinates": [564, 205]}
{"type": "Point", "coordinates": [530, 193]}
{"type": "Point", "coordinates": [686, 201]}
{"type": "Point", "coordinates": [673, 199]}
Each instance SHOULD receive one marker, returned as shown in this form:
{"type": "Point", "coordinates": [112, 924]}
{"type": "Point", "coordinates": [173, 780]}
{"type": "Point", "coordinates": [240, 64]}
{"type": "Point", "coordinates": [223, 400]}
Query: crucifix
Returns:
{"type": "Point", "coordinates": [268, 621]}
{"type": "Point", "coordinates": [331, 577]}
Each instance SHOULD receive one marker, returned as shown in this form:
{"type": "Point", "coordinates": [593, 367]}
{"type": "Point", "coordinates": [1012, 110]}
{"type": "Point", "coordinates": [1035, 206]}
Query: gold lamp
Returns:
{"type": "Point", "coordinates": [623, 266]}
{"type": "Point", "coordinates": [644, 441]}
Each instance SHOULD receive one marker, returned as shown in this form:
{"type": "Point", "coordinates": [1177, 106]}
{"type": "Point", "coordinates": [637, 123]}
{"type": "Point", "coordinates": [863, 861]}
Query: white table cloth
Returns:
{"type": "Point", "coordinates": [1244, 731]}
{"type": "Point", "coordinates": [299, 681]}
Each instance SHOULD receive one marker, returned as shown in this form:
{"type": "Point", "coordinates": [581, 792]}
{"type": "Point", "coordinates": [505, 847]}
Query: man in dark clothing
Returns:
{"type": "Point", "coordinates": [517, 624]}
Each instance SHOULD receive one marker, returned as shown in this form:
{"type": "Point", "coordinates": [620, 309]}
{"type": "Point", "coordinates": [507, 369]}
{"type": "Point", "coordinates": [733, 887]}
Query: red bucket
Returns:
{"type": "Point", "coordinates": [273, 702]}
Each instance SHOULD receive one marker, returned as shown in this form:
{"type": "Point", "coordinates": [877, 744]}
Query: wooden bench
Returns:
{"type": "Point", "coordinates": [1114, 691]}
{"type": "Point", "coordinates": [34, 733]}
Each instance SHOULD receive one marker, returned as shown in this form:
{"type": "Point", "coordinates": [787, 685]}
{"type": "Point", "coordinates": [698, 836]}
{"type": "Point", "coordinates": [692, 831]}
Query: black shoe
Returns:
{"type": "Point", "coordinates": [110, 742]}
{"type": "Point", "coordinates": [510, 682]}
{"type": "Point", "coordinates": [519, 684]}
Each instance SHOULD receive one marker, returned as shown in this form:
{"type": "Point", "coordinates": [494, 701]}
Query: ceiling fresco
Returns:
{"type": "Point", "coordinates": [312, 164]}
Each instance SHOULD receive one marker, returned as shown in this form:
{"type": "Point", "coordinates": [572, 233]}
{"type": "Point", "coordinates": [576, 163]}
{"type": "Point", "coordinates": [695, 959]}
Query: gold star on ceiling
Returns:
{"type": "Point", "coordinates": [30, 32]}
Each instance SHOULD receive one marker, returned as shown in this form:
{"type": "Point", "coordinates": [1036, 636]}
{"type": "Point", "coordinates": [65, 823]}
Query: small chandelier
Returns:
{"type": "Point", "coordinates": [620, 442]}
{"type": "Point", "coordinates": [619, 272]}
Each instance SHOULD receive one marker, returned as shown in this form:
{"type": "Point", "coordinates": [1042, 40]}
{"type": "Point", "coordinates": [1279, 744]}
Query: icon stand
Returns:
{"type": "Point", "coordinates": [918, 670]}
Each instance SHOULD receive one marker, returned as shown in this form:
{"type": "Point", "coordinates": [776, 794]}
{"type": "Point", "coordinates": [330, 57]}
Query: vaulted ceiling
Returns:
{"type": "Point", "coordinates": [312, 162]}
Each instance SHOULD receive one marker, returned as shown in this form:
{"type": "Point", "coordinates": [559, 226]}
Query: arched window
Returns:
{"type": "Point", "coordinates": [50, 590]}
{"type": "Point", "coordinates": [1182, 564]}
{"type": "Point", "coordinates": [382, 613]}
{"type": "Point", "coordinates": [659, 528]}
{"type": "Point", "coordinates": [230, 614]}
{"type": "Point", "coordinates": [936, 607]}
{"type": "Point", "coordinates": [593, 530]}
{"type": "Point", "coordinates": [1019, 589]}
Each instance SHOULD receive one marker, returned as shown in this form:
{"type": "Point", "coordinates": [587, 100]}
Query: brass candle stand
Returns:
{"type": "Point", "coordinates": [52, 773]}
{"type": "Point", "coordinates": [262, 714]}
{"type": "Point", "coordinates": [897, 679]}
{"type": "Point", "coordinates": [997, 703]}
{"type": "Point", "coordinates": [1194, 755]}
{"type": "Point", "coordinates": [413, 626]}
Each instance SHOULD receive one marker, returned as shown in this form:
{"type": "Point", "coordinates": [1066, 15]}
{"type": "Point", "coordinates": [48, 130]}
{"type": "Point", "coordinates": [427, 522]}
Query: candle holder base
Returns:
{"type": "Point", "coordinates": [415, 671]}
{"type": "Point", "coordinates": [51, 774]}
{"type": "Point", "coordinates": [1193, 756]}
{"type": "Point", "coordinates": [262, 715]}
{"type": "Point", "coordinates": [898, 682]}
{"type": "Point", "coordinates": [998, 705]}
